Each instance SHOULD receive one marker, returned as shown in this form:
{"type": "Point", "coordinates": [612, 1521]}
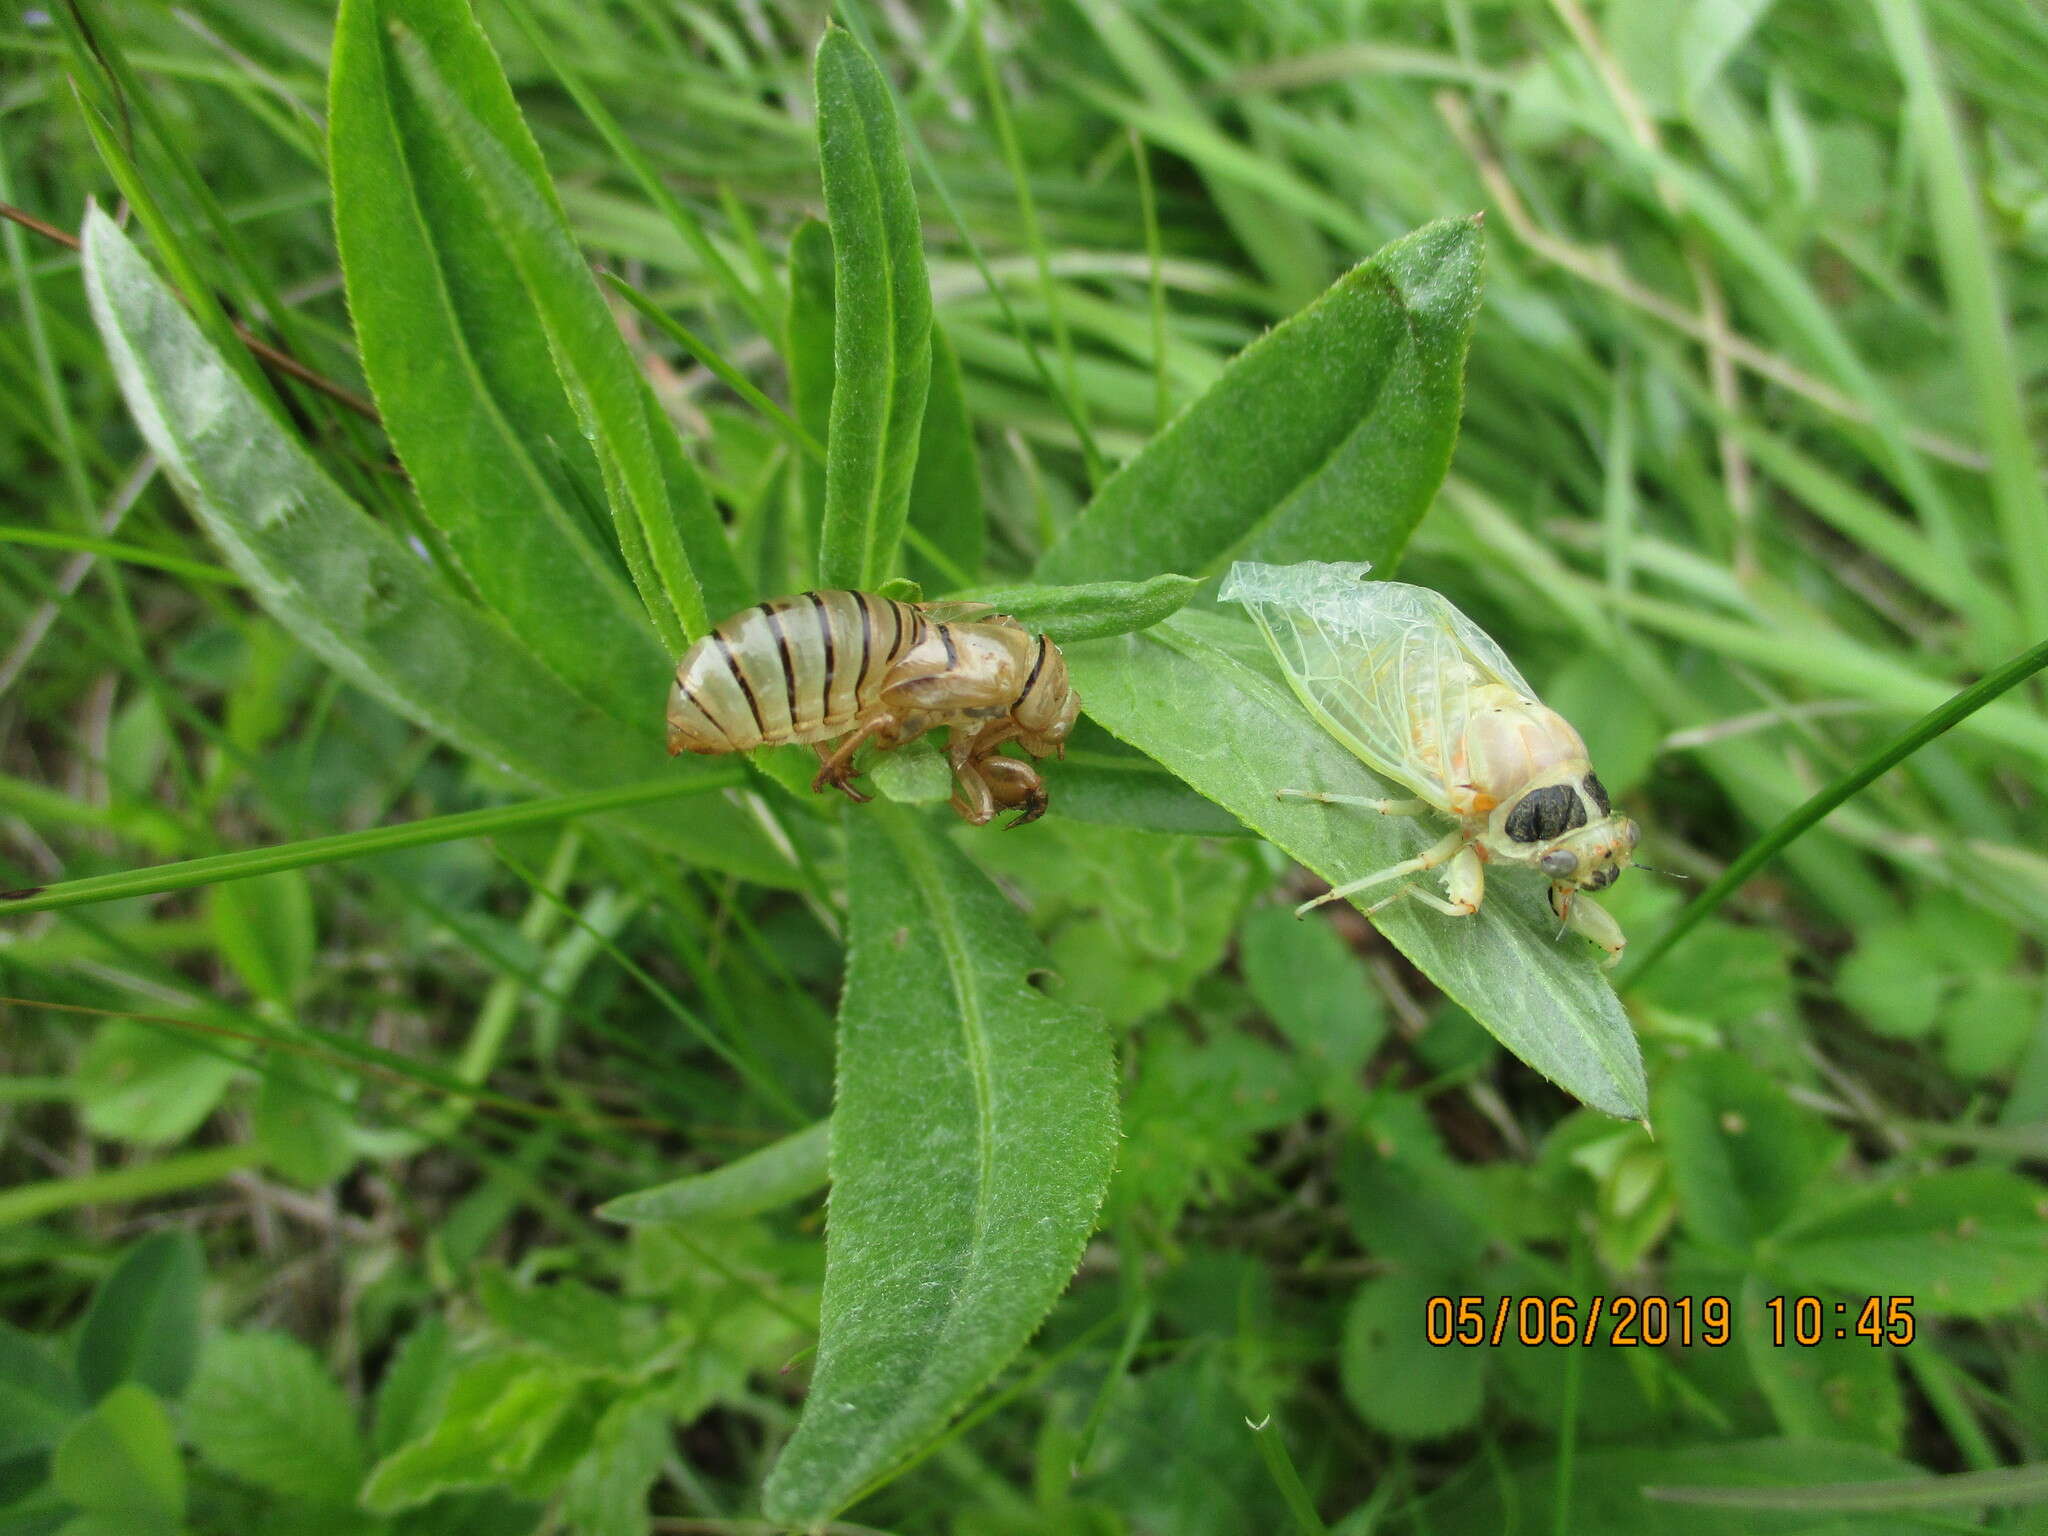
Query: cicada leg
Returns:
{"type": "Point", "coordinates": [1430, 857]}
{"type": "Point", "coordinates": [836, 767]}
{"type": "Point", "coordinates": [1464, 888]}
{"type": "Point", "coordinates": [1016, 785]}
{"type": "Point", "coordinates": [1363, 802]}
{"type": "Point", "coordinates": [1585, 916]}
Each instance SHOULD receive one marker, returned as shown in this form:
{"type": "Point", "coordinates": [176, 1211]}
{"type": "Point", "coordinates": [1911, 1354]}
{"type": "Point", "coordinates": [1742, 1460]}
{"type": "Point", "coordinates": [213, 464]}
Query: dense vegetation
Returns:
{"type": "Point", "coordinates": [419, 1095]}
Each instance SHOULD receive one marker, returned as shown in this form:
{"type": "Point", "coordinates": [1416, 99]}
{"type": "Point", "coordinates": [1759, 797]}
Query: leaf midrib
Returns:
{"type": "Point", "coordinates": [974, 1030]}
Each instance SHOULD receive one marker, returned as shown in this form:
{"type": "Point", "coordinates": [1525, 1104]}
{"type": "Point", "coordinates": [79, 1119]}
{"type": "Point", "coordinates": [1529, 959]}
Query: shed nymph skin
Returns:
{"type": "Point", "coordinates": [839, 670]}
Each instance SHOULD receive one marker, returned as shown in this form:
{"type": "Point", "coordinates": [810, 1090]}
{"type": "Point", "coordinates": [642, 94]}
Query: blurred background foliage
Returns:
{"type": "Point", "coordinates": [1747, 479]}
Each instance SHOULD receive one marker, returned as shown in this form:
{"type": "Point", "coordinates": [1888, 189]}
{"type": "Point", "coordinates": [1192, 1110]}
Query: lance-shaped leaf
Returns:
{"type": "Point", "coordinates": [807, 343]}
{"type": "Point", "coordinates": [354, 595]}
{"type": "Point", "coordinates": [971, 1145]}
{"type": "Point", "coordinates": [1323, 440]}
{"type": "Point", "coordinates": [945, 493]}
{"type": "Point", "coordinates": [1202, 695]}
{"type": "Point", "coordinates": [882, 318]}
{"type": "Point", "coordinates": [1092, 611]}
{"type": "Point", "coordinates": [608, 393]}
{"type": "Point", "coordinates": [458, 357]}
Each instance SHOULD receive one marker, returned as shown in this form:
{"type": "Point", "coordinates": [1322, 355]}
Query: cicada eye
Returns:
{"type": "Point", "coordinates": [1559, 863]}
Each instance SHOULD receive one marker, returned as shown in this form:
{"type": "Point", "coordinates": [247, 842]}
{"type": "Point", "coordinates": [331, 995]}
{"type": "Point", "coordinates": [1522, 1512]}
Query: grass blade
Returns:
{"type": "Point", "coordinates": [249, 862]}
{"type": "Point", "coordinates": [1934, 723]}
{"type": "Point", "coordinates": [1971, 276]}
{"type": "Point", "coordinates": [1998, 1488]}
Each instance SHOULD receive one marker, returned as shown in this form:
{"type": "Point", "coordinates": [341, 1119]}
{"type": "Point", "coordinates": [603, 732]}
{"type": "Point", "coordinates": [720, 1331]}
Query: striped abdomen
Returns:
{"type": "Point", "coordinates": [796, 669]}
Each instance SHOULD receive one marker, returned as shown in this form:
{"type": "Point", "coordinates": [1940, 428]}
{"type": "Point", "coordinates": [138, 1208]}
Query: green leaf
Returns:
{"type": "Point", "coordinates": [410, 1394]}
{"type": "Point", "coordinates": [143, 1323]}
{"type": "Point", "coordinates": [1396, 1379]}
{"type": "Point", "coordinates": [150, 1085]}
{"type": "Point", "coordinates": [303, 1119]}
{"type": "Point", "coordinates": [1987, 1024]}
{"type": "Point", "coordinates": [609, 394]}
{"type": "Point", "coordinates": [606, 1494]}
{"type": "Point", "coordinates": [1094, 610]}
{"type": "Point", "coordinates": [1313, 989]}
{"type": "Point", "coordinates": [121, 1461]}
{"type": "Point", "coordinates": [916, 773]}
{"type": "Point", "coordinates": [458, 356]}
{"type": "Point", "coordinates": [506, 1416]}
{"type": "Point", "coordinates": [264, 928]}
{"type": "Point", "coordinates": [1839, 1389]}
{"type": "Point", "coordinates": [782, 1172]}
{"type": "Point", "coordinates": [1708, 36]}
{"type": "Point", "coordinates": [350, 591]}
{"type": "Point", "coordinates": [945, 492]}
{"type": "Point", "coordinates": [264, 1409]}
{"type": "Point", "coordinates": [564, 1317]}
{"type": "Point", "coordinates": [1741, 1152]}
{"type": "Point", "coordinates": [1323, 440]}
{"type": "Point", "coordinates": [1965, 1242]}
{"type": "Point", "coordinates": [882, 320]}
{"type": "Point", "coordinates": [807, 343]}
{"type": "Point", "coordinates": [39, 1397]}
{"type": "Point", "coordinates": [1408, 1201]}
{"type": "Point", "coordinates": [971, 1145]}
{"type": "Point", "coordinates": [1201, 694]}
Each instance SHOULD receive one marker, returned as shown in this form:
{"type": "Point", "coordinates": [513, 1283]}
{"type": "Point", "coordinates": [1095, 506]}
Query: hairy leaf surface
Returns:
{"type": "Point", "coordinates": [1323, 440]}
{"type": "Point", "coordinates": [882, 318]}
{"type": "Point", "coordinates": [971, 1145]}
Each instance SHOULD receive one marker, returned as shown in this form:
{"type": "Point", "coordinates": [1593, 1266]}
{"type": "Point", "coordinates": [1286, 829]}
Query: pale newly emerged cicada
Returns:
{"type": "Point", "coordinates": [867, 669]}
{"type": "Point", "coordinates": [1424, 697]}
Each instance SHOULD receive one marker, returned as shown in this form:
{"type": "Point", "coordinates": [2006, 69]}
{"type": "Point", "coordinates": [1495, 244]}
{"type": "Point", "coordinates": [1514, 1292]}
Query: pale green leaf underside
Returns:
{"type": "Point", "coordinates": [1202, 694]}
{"type": "Point", "coordinates": [349, 591]}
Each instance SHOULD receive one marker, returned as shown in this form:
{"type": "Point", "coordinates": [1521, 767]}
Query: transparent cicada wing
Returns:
{"type": "Point", "coordinates": [1386, 668]}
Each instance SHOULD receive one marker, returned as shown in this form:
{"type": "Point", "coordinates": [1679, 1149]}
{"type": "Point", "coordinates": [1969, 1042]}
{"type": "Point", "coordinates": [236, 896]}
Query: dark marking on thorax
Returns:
{"type": "Point", "coordinates": [1545, 813]}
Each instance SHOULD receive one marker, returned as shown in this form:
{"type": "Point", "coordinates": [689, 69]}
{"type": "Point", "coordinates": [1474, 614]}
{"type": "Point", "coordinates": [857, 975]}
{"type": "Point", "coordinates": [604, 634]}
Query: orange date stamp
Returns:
{"type": "Point", "coordinates": [1653, 1322]}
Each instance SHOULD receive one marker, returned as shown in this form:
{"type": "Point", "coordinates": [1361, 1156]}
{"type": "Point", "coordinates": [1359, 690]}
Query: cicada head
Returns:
{"type": "Point", "coordinates": [1593, 857]}
{"type": "Point", "coordinates": [1570, 832]}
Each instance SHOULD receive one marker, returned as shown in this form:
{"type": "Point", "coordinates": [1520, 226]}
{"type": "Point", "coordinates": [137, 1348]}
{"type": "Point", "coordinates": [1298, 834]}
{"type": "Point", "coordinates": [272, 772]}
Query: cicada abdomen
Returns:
{"type": "Point", "coordinates": [797, 669]}
{"type": "Point", "coordinates": [854, 669]}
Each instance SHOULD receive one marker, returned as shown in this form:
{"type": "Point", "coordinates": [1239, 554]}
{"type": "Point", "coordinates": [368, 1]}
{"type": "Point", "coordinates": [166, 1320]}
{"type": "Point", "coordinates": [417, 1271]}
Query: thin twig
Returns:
{"type": "Point", "coordinates": [283, 362]}
{"type": "Point", "coordinates": [1602, 269]}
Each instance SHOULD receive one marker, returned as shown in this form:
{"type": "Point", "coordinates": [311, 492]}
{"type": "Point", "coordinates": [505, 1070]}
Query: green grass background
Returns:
{"type": "Point", "coordinates": [299, 1171]}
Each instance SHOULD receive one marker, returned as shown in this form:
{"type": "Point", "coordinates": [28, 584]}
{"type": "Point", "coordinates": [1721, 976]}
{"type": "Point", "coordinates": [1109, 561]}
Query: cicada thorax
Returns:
{"type": "Point", "coordinates": [796, 669]}
{"type": "Point", "coordinates": [1497, 746]}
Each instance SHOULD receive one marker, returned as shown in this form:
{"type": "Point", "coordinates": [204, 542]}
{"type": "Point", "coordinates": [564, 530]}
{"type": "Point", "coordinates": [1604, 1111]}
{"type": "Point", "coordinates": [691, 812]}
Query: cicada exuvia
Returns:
{"type": "Point", "coordinates": [840, 670]}
{"type": "Point", "coordinates": [1424, 697]}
